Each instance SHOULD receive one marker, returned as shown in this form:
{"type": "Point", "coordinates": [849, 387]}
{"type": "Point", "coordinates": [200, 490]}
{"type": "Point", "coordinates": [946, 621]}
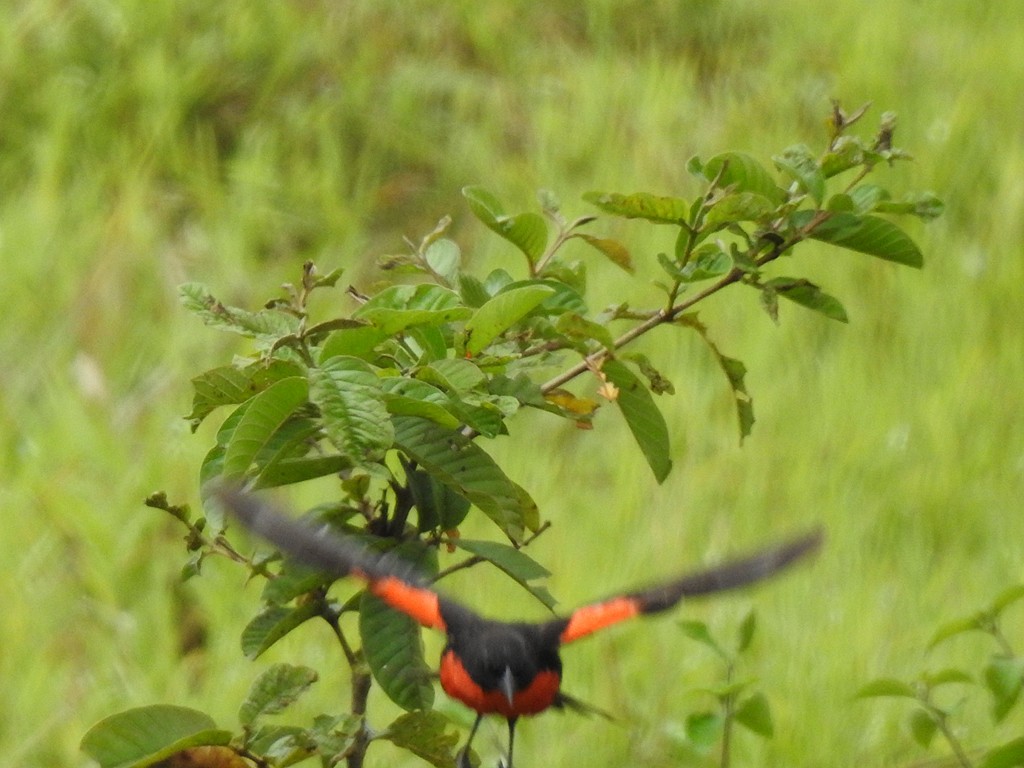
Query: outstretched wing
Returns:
{"type": "Point", "coordinates": [731, 575]}
{"type": "Point", "coordinates": [318, 547]}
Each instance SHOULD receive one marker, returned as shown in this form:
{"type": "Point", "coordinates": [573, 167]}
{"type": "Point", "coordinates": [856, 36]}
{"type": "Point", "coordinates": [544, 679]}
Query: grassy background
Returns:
{"type": "Point", "coordinates": [148, 142]}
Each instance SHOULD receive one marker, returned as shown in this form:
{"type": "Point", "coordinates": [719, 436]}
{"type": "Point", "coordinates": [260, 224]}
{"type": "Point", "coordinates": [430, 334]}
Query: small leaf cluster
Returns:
{"type": "Point", "coordinates": [1001, 676]}
{"type": "Point", "coordinates": [738, 702]}
{"type": "Point", "coordinates": [393, 392]}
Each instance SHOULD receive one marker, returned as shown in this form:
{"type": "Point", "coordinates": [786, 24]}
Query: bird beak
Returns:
{"type": "Point", "coordinates": [507, 685]}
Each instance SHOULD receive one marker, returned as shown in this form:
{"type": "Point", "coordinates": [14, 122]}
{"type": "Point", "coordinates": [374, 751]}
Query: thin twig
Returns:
{"type": "Point", "coordinates": [469, 562]}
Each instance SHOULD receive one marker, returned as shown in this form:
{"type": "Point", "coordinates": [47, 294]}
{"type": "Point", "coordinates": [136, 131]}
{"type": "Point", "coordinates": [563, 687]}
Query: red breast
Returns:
{"type": "Point", "coordinates": [536, 697]}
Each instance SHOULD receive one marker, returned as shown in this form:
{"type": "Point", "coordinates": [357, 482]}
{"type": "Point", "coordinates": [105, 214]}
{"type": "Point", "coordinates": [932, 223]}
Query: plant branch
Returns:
{"type": "Point", "coordinates": [662, 317]}
{"type": "Point", "coordinates": [670, 314]}
{"type": "Point", "coordinates": [469, 562]}
{"type": "Point", "coordinates": [954, 743]}
{"type": "Point", "coordinates": [361, 683]}
{"type": "Point", "coordinates": [728, 717]}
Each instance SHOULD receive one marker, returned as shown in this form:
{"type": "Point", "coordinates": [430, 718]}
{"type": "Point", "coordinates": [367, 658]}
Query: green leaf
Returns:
{"type": "Point", "coordinates": [564, 298]}
{"type": "Point", "coordinates": [734, 371]}
{"type": "Point", "coordinates": [1005, 599]}
{"type": "Point", "coordinates": [437, 504]}
{"type": "Point", "coordinates": [847, 152]}
{"type": "Point", "coordinates": [864, 198]}
{"type": "Point", "coordinates": [707, 262]}
{"type": "Point", "coordinates": [228, 385]}
{"type": "Point", "coordinates": [514, 562]}
{"type": "Point", "coordinates": [807, 294]}
{"type": "Point", "coordinates": [735, 207]}
{"type": "Point", "coordinates": [460, 464]}
{"type": "Point", "coordinates": [292, 442]}
{"type": "Point", "coordinates": [402, 306]}
{"type": "Point", "coordinates": [394, 652]}
{"type": "Point", "coordinates": [727, 689]}
{"type": "Point", "coordinates": [426, 735]}
{"type": "Point", "coordinates": [743, 173]}
{"type": "Point", "coordinates": [746, 631]}
{"type": "Point", "coordinates": [315, 334]}
{"type": "Point", "coordinates": [926, 206]}
{"type": "Point", "coordinates": [865, 234]}
{"type": "Point", "coordinates": [922, 727]}
{"type": "Point", "coordinates": [887, 687]}
{"type": "Point", "coordinates": [274, 623]}
{"type": "Point", "coordinates": [453, 374]}
{"type": "Point", "coordinates": [483, 415]}
{"type": "Point", "coordinates": [641, 205]}
{"type": "Point", "coordinates": [497, 280]}
{"type": "Point", "coordinates": [427, 342]}
{"type": "Point", "coordinates": [704, 729]}
{"type": "Point", "coordinates": [576, 326]}
{"type": "Point", "coordinates": [562, 272]}
{"type": "Point", "coordinates": [275, 690]}
{"type": "Point", "coordinates": [522, 388]}
{"type": "Point", "coordinates": [297, 580]}
{"type": "Point", "coordinates": [443, 257]}
{"type": "Point", "coordinates": [657, 383]}
{"type": "Point", "coordinates": [501, 313]}
{"type": "Point", "coordinates": [288, 471]}
{"type": "Point", "coordinates": [645, 421]}
{"type": "Point", "coordinates": [842, 203]}
{"type": "Point", "coordinates": [799, 163]}
{"type": "Point", "coordinates": [1008, 755]}
{"type": "Point", "coordinates": [616, 252]}
{"type": "Point", "coordinates": [473, 292]}
{"type": "Point", "coordinates": [527, 231]}
{"type": "Point", "coordinates": [769, 301]}
{"type": "Point", "coordinates": [698, 631]}
{"type": "Point", "coordinates": [412, 397]}
{"type": "Point", "coordinates": [756, 715]}
{"type": "Point", "coordinates": [281, 744]}
{"type": "Point", "coordinates": [146, 735]}
{"type": "Point", "coordinates": [947, 676]}
{"type": "Point", "coordinates": [351, 402]}
{"type": "Point", "coordinates": [333, 736]}
{"type": "Point", "coordinates": [1004, 677]}
{"type": "Point", "coordinates": [954, 628]}
{"type": "Point", "coordinates": [352, 342]}
{"type": "Point", "coordinates": [264, 414]}
{"type": "Point", "coordinates": [484, 205]}
{"type": "Point", "coordinates": [265, 325]}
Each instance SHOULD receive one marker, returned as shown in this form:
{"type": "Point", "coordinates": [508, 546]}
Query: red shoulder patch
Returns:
{"type": "Point", "coordinates": [591, 618]}
{"type": "Point", "coordinates": [419, 603]}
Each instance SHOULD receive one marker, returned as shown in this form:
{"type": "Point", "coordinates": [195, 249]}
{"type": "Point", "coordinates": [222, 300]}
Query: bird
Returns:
{"type": "Point", "coordinates": [511, 669]}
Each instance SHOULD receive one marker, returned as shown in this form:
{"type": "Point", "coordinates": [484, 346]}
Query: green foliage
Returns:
{"type": "Point", "coordinates": [274, 691]}
{"type": "Point", "coordinates": [147, 735]}
{"type": "Point", "coordinates": [397, 395]}
{"type": "Point", "coordinates": [737, 701]}
{"type": "Point", "coordinates": [1002, 677]}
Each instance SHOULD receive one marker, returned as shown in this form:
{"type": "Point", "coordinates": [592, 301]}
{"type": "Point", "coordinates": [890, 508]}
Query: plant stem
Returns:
{"type": "Point", "coordinates": [669, 315]}
{"type": "Point", "coordinates": [954, 743]}
{"type": "Point", "coordinates": [361, 683]}
{"type": "Point", "coordinates": [728, 707]}
{"type": "Point", "coordinates": [664, 316]}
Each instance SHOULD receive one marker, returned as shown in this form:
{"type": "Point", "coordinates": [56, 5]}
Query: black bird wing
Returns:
{"type": "Point", "coordinates": [730, 575]}
{"type": "Point", "coordinates": [394, 581]}
{"type": "Point", "coordinates": [406, 590]}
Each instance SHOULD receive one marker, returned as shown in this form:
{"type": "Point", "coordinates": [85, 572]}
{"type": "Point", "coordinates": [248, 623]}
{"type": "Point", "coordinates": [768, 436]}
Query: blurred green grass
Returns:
{"type": "Point", "coordinates": [147, 143]}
